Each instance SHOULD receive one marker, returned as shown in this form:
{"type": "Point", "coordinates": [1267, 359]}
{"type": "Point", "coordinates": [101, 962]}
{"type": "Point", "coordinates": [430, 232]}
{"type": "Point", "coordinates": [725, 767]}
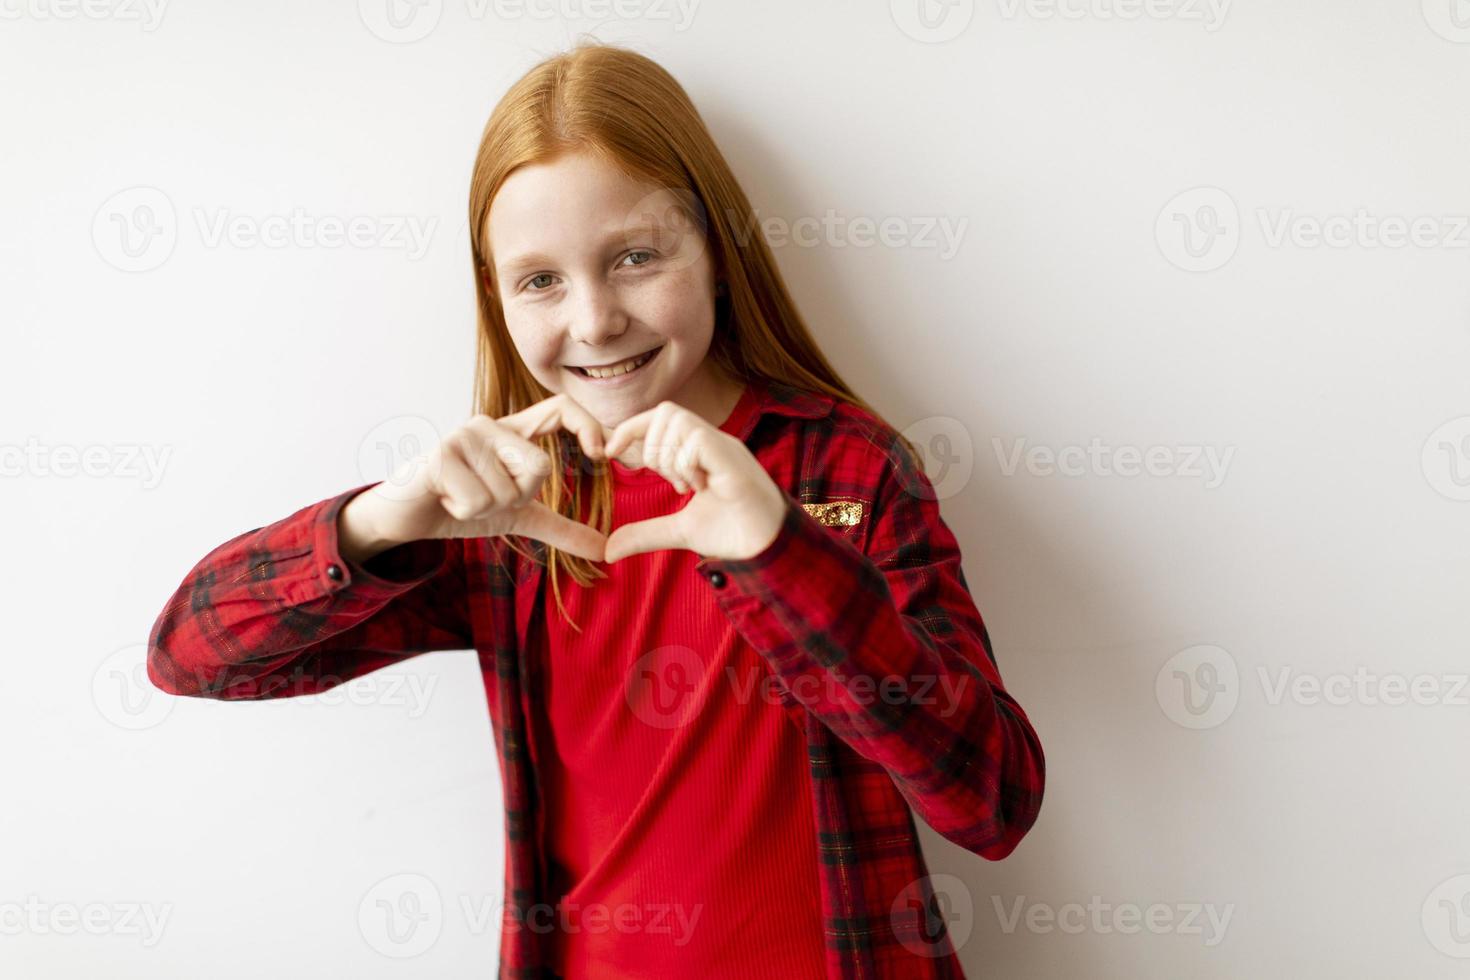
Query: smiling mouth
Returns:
{"type": "Point", "coordinates": [618, 370]}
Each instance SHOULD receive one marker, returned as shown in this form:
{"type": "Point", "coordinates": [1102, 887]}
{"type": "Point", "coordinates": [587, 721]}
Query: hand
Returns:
{"type": "Point", "coordinates": [481, 480]}
{"type": "Point", "coordinates": [737, 509]}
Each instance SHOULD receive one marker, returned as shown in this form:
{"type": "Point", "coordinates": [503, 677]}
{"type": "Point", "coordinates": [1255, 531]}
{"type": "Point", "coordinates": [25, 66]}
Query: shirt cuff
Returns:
{"type": "Point", "coordinates": [386, 574]}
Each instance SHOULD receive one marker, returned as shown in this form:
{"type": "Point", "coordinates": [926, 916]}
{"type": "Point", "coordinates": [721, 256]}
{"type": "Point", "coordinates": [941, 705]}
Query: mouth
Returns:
{"type": "Point", "coordinates": [616, 373]}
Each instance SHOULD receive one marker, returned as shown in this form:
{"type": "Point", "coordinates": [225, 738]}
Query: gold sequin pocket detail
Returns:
{"type": "Point", "coordinates": [836, 513]}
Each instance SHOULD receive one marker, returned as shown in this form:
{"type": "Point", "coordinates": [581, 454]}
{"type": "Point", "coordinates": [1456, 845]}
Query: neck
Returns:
{"type": "Point", "coordinates": [710, 393]}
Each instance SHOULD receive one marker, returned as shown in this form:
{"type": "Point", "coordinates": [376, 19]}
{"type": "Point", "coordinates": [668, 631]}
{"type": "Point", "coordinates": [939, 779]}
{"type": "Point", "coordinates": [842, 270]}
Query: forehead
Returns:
{"type": "Point", "coordinates": [568, 205]}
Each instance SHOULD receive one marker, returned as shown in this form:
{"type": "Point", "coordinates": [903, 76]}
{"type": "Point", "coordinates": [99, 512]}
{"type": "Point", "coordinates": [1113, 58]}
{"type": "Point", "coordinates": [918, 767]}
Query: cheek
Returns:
{"type": "Point", "coordinates": [679, 309]}
{"type": "Point", "coordinates": [538, 345]}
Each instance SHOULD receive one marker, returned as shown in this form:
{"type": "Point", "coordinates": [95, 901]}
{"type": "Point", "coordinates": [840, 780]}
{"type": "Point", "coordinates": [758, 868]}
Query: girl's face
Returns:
{"type": "Point", "coordinates": [594, 269]}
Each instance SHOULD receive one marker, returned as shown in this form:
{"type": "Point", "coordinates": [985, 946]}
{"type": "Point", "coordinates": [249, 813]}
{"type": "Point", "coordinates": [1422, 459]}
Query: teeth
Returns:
{"type": "Point", "coordinates": [618, 369]}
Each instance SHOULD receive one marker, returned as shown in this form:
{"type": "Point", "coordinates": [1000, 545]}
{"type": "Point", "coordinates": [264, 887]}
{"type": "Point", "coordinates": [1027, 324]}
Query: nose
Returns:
{"type": "Point", "coordinates": [596, 315]}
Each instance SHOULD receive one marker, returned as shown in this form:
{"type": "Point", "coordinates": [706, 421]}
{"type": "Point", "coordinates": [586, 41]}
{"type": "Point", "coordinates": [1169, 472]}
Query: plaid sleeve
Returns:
{"type": "Point", "coordinates": [278, 612]}
{"type": "Point", "coordinates": [887, 649]}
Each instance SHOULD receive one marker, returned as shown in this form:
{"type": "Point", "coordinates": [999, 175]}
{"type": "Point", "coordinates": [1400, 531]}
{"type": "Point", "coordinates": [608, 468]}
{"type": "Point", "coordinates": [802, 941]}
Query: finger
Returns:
{"type": "Point", "coordinates": [540, 522]}
{"type": "Point", "coordinates": [627, 431]}
{"type": "Point", "coordinates": [687, 463]}
{"type": "Point", "coordinates": [674, 460]}
{"type": "Point", "coordinates": [656, 437]}
{"type": "Point", "coordinates": [480, 453]}
{"type": "Point", "coordinates": [558, 412]}
{"type": "Point", "coordinates": [675, 432]}
{"type": "Point", "coordinates": [460, 492]}
{"type": "Point", "coordinates": [526, 462]}
{"type": "Point", "coordinates": [654, 534]}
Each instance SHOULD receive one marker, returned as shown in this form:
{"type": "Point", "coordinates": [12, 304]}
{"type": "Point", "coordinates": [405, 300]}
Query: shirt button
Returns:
{"type": "Point", "coordinates": [334, 572]}
{"type": "Point", "coordinates": [717, 579]}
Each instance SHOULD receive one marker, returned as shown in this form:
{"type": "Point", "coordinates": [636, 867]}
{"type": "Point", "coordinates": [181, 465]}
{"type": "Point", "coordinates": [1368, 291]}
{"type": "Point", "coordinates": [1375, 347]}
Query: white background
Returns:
{"type": "Point", "coordinates": [1086, 303]}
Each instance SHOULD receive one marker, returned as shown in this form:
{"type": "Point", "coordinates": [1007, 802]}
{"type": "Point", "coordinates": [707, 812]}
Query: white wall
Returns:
{"type": "Point", "coordinates": [1330, 382]}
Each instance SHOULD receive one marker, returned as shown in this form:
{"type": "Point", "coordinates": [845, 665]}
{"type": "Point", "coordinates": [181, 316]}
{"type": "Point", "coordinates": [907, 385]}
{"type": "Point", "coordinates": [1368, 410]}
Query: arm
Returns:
{"type": "Point", "coordinates": [887, 649]}
{"type": "Point", "coordinates": [280, 612]}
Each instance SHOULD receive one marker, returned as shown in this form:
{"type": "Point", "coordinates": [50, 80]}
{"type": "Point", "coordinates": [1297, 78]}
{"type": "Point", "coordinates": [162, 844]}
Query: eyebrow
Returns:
{"type": "Point", "coordinates": [526, 260]}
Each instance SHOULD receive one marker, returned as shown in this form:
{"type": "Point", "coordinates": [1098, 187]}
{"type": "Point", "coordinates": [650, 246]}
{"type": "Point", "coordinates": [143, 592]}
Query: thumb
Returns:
{"type": "Point", "coordinates": [536, 520]}
{"type": "Point", "coordinates": [654, 534]}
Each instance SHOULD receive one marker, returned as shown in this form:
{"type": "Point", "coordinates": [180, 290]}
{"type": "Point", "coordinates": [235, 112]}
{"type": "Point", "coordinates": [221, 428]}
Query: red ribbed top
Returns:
{"type": "Point", "coordinates": [680, 834]}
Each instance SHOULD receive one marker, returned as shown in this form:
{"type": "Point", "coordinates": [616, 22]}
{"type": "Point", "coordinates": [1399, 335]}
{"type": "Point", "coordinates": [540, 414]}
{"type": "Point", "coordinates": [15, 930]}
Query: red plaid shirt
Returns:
{"type": "Point", "coordinates": [859, 608]}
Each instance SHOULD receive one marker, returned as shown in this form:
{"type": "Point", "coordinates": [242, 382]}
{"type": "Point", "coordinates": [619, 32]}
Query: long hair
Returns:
{"type": "Point", "coordinates": [624, 107]}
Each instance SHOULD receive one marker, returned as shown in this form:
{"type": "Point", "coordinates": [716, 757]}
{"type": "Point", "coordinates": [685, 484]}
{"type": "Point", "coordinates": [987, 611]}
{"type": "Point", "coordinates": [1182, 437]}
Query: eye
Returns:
{"type": "Point", "coordinates": [641, 251]}
{"type": "Point", "coordinates": [539, 275]}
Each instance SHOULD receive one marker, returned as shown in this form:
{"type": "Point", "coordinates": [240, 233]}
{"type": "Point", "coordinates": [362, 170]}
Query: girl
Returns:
{"type": "Point", "coordinates": [712, 735]}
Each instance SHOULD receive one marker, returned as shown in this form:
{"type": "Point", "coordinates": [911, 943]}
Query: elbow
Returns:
{"type": "Point", "coordinates": [164, 674]}
{"type": "Point", "coordinates": [1008, 809]}
{"type": "Point", "coordinates": [995, 838]}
